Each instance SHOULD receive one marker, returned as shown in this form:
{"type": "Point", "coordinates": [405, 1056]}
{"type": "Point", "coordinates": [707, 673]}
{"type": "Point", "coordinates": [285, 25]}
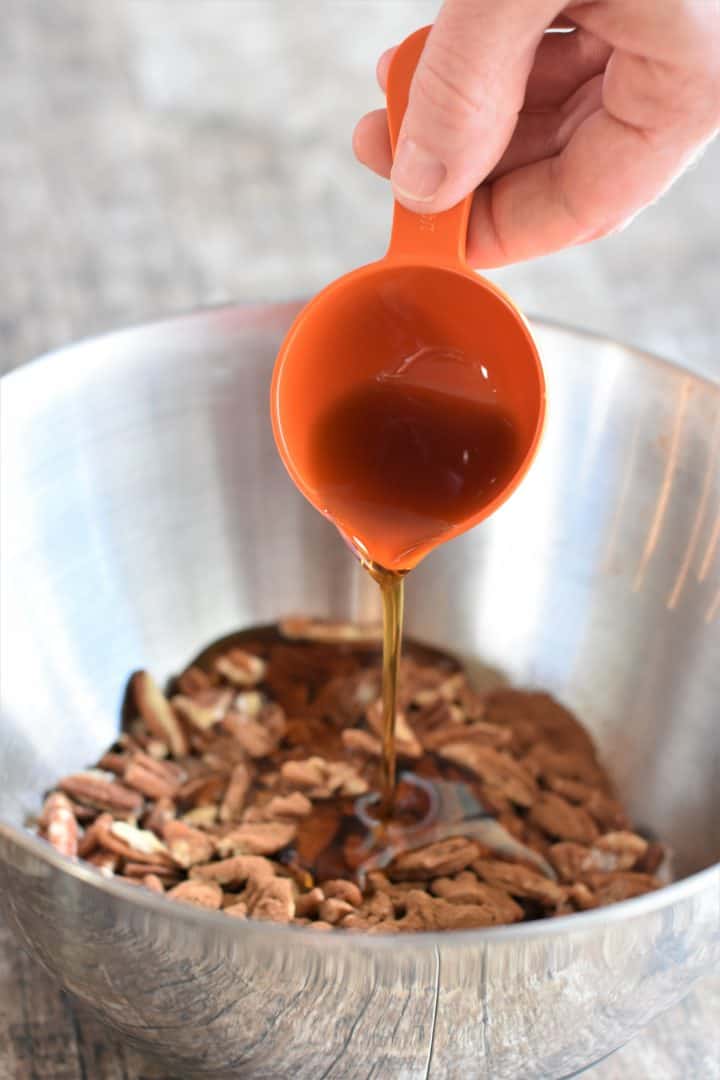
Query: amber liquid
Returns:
{"type": "Point", "coordinates": [397, 465]}
{"type": "Point", "coordinates": [393, 595]}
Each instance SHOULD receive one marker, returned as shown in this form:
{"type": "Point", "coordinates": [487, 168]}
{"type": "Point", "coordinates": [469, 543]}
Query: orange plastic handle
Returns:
{"type": "Point", "coordinates": [428, 238]}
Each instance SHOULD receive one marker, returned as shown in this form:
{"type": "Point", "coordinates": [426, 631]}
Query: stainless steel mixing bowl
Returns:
{"type": "Point", "coordinates": [146, 512]}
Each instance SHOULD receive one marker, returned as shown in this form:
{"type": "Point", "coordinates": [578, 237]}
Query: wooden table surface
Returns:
{"type": "Point", "coordinates": [149, 164]}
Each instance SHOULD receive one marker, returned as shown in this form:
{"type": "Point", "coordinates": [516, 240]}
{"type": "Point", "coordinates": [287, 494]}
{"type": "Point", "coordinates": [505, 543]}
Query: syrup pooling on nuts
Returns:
{"type": "Point", "coordinates": [251, 788]}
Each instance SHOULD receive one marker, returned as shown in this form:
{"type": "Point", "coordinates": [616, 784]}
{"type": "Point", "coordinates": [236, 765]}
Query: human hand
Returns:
{"type": "Point", "coordinates": [565, 136]}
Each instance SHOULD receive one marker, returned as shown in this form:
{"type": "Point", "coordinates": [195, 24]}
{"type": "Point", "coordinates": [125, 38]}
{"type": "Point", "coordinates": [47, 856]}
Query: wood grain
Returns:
{"type": "Point", "coordinates": [148, 165]}
{"type": "Point", "coordinates": [48, 1038]}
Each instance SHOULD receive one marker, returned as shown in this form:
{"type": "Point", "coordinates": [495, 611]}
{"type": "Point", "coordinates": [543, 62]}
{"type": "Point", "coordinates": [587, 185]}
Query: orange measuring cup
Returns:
{"type": "Point", "coordinates": [408, 398]}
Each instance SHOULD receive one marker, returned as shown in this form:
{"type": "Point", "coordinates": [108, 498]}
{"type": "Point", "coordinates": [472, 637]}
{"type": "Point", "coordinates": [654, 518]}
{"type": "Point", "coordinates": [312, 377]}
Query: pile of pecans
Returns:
{"type": "Point", "coordinates": [237, 791]}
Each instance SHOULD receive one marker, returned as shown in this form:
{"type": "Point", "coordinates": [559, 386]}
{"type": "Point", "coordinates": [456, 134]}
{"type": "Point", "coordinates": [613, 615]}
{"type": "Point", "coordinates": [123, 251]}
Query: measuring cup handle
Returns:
{"type": "Point", "coordinates": [440, 238]}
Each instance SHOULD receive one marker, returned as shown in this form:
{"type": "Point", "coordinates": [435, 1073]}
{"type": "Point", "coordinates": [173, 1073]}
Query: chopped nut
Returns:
{"type": "Point", "coordinates": [610, 888]}
{"type": "Point", "coordinates": [249, 703]}
{"type": "Point", "coordinates": [193, 681]}
{"type": "Point", "coordinates": [519, 881]}
{"type": "Point", "coordinates": [205, 709]}
{"type": "Point", "coordinates": [626, 847]}
{"type": "Point", "coordinates": [499, 770]}
{"type": "Point", "coordinates": [114, 763]}
{"type": "Point", "coordinates": [446, 690]}
{"type": "Point", "coordinates": [466, 889]}
{"type": "Point", "coordinates": [241, 668]}
{"type": "Point", "coordinates": [343, 890]}
{"type": "Point", "coordinates": [91, 839]}
{"type": "Point", "coordinates": [581, 896]}
{"type": "Point", "coordinates": [203, 790]}
{"type": "Point", "coordinates": [653, 860]}
{"type": "Point", "coordinates": [479, 731]}
{"type": "Point", "coordinates": [141, 844]}
{"type": "Point", "coordinates": [379, 907]}
{"type": "Point", "coordinates": [201, 816]}
{"type": "Point", "coordinates": [570, 860]}
{"type": "Point", "coordinates": [321, 779]}
{"type": "Point", "coordinates": [205, 894]}
{"type": "Point", "coordinates": [236, 793]}
{"type": "Point", "coordinates": [305, 774]}
{"type": "Point", "coordinates": [290, 807]}
{"type": "Point", "coordinates": [307, 904]}
{"type": "Point", "coordinates": [252, 735]}
{"type": "Point", "coordinates": [294, 805]}
{"type": "Point", "coordinates": [426, 912]}
{"type": "Point", "coordinates": [162, 811]}
{"type": "Point", "coordinates": [156, 711]}
{"type": "Point", "coordinates": [332, 911]}
{"type": "Point", "coordinates": [357, 741]}
{"type": "Point", "coordinates": [276, 901]}
{"type": "Point", "coordinates": [551, 764]}
{"type": "Point", "coordinates": [559, 818]}
{"type": "Point", "coordinates": [443, 858]}
{"type": "Point", "coordinates": [187, 846]}
{"type": "Point", "coordinates": [60, 824]}
{"type": "Point", "coordinates": [263, 838]}
{"type": "Point", "coordinates": [234, 871]}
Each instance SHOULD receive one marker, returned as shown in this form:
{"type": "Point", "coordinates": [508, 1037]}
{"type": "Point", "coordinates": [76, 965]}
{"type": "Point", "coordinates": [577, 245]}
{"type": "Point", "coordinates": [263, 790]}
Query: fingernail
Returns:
{"type": "Point", "coordinates": [416, 173]}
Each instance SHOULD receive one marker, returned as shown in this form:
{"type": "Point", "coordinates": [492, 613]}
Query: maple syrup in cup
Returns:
{"type": "Point", "coordinates": [408, 399]}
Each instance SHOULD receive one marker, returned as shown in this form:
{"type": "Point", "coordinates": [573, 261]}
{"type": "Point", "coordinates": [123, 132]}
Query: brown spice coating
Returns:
{"type": "Point", "coordinates": [238, 793]}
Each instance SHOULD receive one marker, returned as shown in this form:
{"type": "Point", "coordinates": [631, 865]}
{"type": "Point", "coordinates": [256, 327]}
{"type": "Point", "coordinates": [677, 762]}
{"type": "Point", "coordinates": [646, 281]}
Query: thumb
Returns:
{"type": "Point", "coordinates": [465, 97]}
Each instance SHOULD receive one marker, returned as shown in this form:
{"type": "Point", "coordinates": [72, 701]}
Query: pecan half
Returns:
{"type": "Point", "coordinates": [441, 859]}
{"type": "Point", "coordinates": [275, 901]}
{"type": "Point", "coordinates": [136, 845]}
{"type": "Point", "coordinates": [187, 846]}
{"type": "Point", "coordinates": [357, 741]}
{"type": "Point", "coordinates": [60, 824]}
{"type": "Point", "coordinates": [152, 778]}
{"type": "Point", "coordinates": [234, 871]}
{"type": "Point", "coordinates": [157, 712]}
{"type": "Point", "coordinates": [561, 820]}
{"type": "Point", "coordinates": [322, 779]}
{"type": "Point", "coordinates": [205, 894]}
{"type": "Point", "coordinates": [236, 793]}
{"type": "Point", "coordinates": [263, 838]}
{"type": "Point", "coordinates": [193, 681]}
{"type": "Point", "coordinates": [94, 789]}
{"type": "Point", "coordinates": [241, 668]}
{"type": "Point", "coordinates": [519, 881]}
{"type": "Point", "coordinates": [205, 709]}
{"type": "Point", "coordinates": [499, 770]}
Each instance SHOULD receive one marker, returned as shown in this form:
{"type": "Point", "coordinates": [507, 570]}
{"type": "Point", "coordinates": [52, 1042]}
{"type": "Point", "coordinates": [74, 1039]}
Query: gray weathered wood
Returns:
{"type": "Point", "coordinates": [47, 1038]}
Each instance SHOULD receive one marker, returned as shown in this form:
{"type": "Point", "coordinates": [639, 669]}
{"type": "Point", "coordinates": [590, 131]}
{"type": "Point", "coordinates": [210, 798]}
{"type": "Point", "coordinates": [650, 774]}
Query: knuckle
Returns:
{"type": "Point", "coordinates": [440, 86]}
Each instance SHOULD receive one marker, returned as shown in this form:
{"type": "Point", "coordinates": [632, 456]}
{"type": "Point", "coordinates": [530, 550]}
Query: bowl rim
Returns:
{"type": "Point", "coordinates": [254, 315]}
{"type": "Point", "coordinates": [580, 921]}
